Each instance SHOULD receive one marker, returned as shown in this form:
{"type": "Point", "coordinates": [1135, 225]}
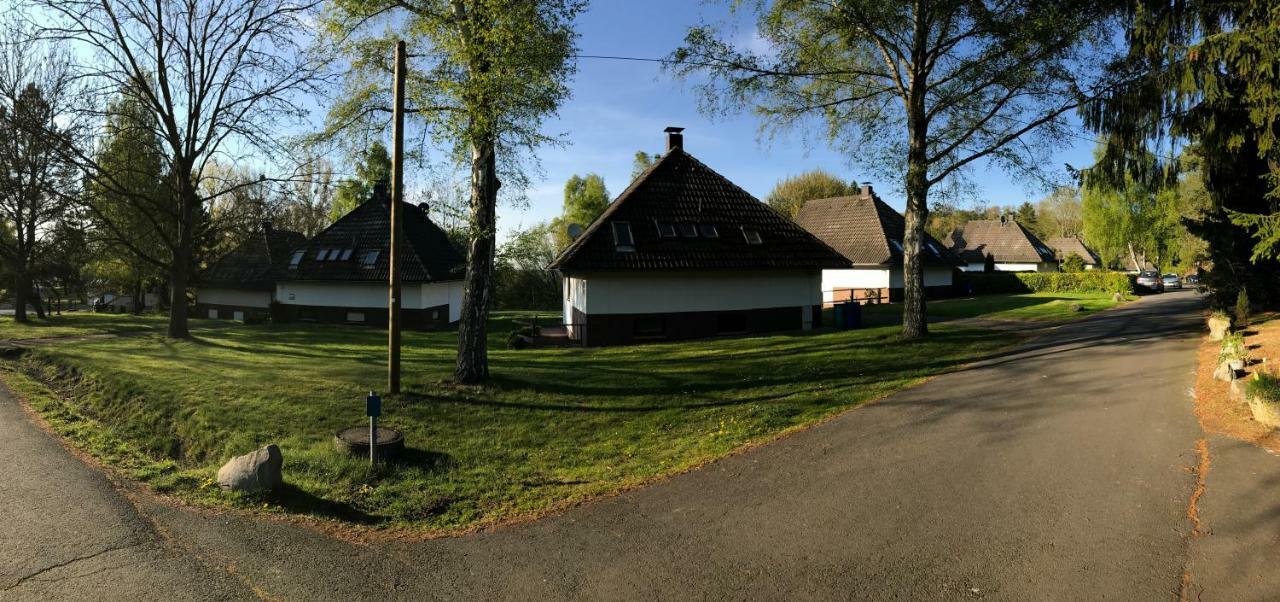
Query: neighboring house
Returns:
{"type": "Point", "coordinates": [1070, 245]}
{"type": "Point", "coordinates": [869, 233]}
{"type": "Point", "coordinates": [341, 274]}
{"type": "Point", "coordinates": [241, 284]}
{"type": "Point", "coordinates": [1012, 247]}
{"type": "Point", "coordinates": [685, 253]}
{"type": "Point", "coordinates": [1132, 266]}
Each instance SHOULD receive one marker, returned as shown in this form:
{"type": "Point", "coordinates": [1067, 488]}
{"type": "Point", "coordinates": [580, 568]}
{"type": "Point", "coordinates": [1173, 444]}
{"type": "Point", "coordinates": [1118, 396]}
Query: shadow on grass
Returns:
{"type": "Point", "coordinates": [298, 501]}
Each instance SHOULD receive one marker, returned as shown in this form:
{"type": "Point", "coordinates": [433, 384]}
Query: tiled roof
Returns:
{"type": "Point", "coordinates": [1068, 245]}
{"type": "Point", "coordinates": [1005, 240]}
{"type": "Point", "coordinates": [678, 193]}
{"type": "Point", "coordinates": [426, 253]}
{"type": "Point", "coordinates": [255, 263]}
{"type": "Point", "coordinates": [866, 231]}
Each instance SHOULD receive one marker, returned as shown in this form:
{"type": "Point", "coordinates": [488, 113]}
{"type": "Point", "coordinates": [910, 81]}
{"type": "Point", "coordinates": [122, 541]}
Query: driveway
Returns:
{"type": "Point", "coordinates": [1063, 470]}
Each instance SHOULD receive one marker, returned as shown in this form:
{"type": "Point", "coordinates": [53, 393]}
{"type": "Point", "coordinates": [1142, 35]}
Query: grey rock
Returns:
{"type": "Point", "coordinates": [253, 472]}
{"type": "Point", "coordinates": [1117, 297]}
{"type": "Point", "coordinates": [1224, 372]}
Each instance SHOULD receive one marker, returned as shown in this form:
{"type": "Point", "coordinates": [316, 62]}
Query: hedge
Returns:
{"type": "Point", "coordinates": [985, 283]}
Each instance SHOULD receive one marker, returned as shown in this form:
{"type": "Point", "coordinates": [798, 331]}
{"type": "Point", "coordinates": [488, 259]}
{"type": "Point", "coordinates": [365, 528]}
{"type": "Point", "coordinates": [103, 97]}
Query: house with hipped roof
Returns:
{"type": "Point", "coordinates": [341, 274]}
{"type": "Point", "coordinates": [241, 285]}
{"type": "Point", "coordinates": [869, 233]}
{"type": "Point", "coordinates": [1010, 246]}
{"type": "Point", "coordinates": [685, 253]}
{"type": "Point", "coordinates": [1066, 246]}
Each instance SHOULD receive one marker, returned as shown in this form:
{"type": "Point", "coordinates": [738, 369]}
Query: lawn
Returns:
{"type": "Point", "coordinates": [77, 324]}
{"type": "Point", "coordinates": [555, 426]}
{"type": "Point", "coordinates": [1032, 307]}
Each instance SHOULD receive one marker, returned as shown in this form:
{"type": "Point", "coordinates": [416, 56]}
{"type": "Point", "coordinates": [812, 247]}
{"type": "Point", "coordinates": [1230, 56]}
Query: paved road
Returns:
{"type": "Point", "coordinates": [1065, 470]}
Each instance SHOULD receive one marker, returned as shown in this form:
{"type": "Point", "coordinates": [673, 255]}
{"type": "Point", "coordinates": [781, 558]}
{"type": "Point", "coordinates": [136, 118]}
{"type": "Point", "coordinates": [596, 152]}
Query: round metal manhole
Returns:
{"type": "Point", "coordinates": [355, 441]}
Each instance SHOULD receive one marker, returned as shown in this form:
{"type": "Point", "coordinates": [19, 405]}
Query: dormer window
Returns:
{"type": "Point", "coordinates": [346, 254]}
{"type": "Point", "coordinates": [752, 236]}
{"type": "Point", "coordinates": [321, 253]}
{"type": "Point", "coordinates": [622, 239]}
{"type": "Point", "coordinates": [688, 230]}
{"type": "Point", "coordinates": [368, 259]}
{"type": "Point", "coordinates": [666, 230]}
{"type": "Point", "coordinates": [933, 247]}
{"type": "Point", "coordinates": [897, 244]}
{"type": "Point", "coordinates": [296, 259]}
{"type": "Point", "coordinates": [708, 231]}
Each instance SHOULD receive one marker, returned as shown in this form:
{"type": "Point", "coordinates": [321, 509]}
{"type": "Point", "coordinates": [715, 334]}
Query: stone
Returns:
{"type": "Point", "coordinates": [1117, 297]}
{"type": "Point", "coordinates": [1218, 328]}
{"type": "Point", "coordinates": [254, 472]}
{"type": "Point", "coordinates": [1075, 307]}
{"type": "Point", "coordinates": [1224, 372]}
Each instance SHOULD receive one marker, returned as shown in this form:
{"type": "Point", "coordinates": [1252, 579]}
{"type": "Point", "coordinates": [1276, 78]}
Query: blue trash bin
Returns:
{"type": "Point", "coordinates": [852, 315]}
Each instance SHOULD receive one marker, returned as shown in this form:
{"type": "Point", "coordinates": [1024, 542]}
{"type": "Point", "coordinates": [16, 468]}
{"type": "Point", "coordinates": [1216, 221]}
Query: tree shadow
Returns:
{"type": "Point", "coordinates": [296, 500]}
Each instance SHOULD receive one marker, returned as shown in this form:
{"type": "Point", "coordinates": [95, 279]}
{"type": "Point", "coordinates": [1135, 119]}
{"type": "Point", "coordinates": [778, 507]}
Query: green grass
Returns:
{"type": "Point", "coordinates": [1033, 307]}
{"type": "Point", "coordinates": [77, 324]}
{"type": "Point", "coordinates": [555, 426]}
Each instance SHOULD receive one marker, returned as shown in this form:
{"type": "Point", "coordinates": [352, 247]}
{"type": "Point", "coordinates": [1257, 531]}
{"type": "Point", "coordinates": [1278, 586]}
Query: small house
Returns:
{"type": "Point", "coordinates": [1070, 245]}
{"type": "Point", "coordinates": [1009, 245]}
{"type": "Point", "coordinates": [685, 253]}
{"type": "Point", "coordinates": [341, 274]}
{"type": "Point", "coordinates": [241, 284]}
{"type": "Point", "coordinates": [869, 233]}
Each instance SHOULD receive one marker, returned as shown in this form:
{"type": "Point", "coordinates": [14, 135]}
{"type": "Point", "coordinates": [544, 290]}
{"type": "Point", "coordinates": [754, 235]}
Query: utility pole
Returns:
{"type": "Point", "coordinates": [397, 196]}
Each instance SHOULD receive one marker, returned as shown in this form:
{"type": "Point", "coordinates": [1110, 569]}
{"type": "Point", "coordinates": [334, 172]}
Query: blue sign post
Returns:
{"type": "Point", "coordinates": [373, 409]}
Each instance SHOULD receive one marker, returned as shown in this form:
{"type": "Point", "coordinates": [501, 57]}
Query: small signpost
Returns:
{"type": "Point", "coordinates": [373, 409]}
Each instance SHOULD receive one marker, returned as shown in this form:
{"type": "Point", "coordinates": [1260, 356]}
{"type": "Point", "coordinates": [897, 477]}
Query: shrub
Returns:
{"type": "Point", "coordinates": [1242, 309]}
{"type": "Point", "coordinates": [1264, 386]}
{"type": "Point", "coordinates": [1095, 281]}
{"type": "Point", "coordinates": [1233, 348]}
{"type": "Point", "coordinates": [1072, 264]}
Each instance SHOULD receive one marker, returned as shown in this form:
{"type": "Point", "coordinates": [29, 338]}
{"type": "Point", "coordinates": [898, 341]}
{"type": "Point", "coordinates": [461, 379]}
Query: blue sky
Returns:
{"type": "Point", "coordinates": [620, 107]}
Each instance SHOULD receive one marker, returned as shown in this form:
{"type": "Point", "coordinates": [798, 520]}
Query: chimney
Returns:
{"type": "Point", "coordinates": [866, 190]}
{"type": "Point", "coordinates": [425, 208]}
{"type": "Point", "coordinates": [675, 140]}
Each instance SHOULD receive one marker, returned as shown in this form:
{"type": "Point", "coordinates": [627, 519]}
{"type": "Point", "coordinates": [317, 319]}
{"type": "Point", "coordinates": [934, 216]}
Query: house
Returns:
{"type": "Point", "coordinates": [241, 284]}
{"type": "Point", "coordinates": [1012, 247]}
{"type": "Point", "coordinates": [869, 234]}
{"type": "Point", "coordinates": [1071, 245]}
{"type": "Point", "coordinates": [341, 274]}
{"type": "Point", "coordinates": [685, 253]}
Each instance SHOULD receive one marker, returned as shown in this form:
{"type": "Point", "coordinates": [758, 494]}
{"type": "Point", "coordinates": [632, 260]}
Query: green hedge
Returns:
{"type": "Point", "coordinates": [986, 283]}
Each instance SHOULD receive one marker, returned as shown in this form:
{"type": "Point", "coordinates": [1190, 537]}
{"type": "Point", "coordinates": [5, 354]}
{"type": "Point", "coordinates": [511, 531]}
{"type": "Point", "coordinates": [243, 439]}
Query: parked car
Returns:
{"type": "Point", "coordinates": [1192, 280]}
{"type": "Point", "coordinates": [1150, 280]}
{"type": "Point", "coordinates": [1171, 281]}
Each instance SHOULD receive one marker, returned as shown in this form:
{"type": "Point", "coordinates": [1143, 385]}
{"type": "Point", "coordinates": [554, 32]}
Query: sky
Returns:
{"type": "Point", "coordinates": [620, 107]}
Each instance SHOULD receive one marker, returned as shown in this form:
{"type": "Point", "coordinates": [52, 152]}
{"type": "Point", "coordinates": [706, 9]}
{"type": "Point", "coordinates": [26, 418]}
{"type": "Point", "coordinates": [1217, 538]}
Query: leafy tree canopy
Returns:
{"type": "Point", "coordinates": [791, 193]}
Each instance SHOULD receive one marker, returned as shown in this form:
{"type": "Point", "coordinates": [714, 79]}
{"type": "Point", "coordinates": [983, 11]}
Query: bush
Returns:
{"type": "Point", "coordinates": [1073, 264]}
{"type": "Point", "coordinates": [1233, 348]}
{"type": "Point", "coordinates": [1264, 386]}
{"type": "Point", "coordinates": [1242, 309]}
{"type": "Point", "coordinates": [1095, 281]}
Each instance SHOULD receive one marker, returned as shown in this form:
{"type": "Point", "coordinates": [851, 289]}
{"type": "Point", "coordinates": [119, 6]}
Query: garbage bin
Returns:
{"type": "Point", "coordinates": [852, 316]}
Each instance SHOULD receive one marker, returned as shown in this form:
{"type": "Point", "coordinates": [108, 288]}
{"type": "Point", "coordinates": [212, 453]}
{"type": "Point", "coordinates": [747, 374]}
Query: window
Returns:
{"type": "Point", "coordinates": [647, 327]}
{"type": "Point", "coordinates": [933, 247]}
{"type": "Point", "coordinates": [896, 244]}
{"type": "Point", "coordinates": [708, 231]}
{"type": "Point", "coordinates": [355, 316]}
{"type": "Point", "coordinates": [666, 229]}
{"type": "Point", "coordinates": [689, 230]}
{"type": "Point", "coordinates": [346, 254]}
{"type": "Point", "coordinates": [321, 253]}
{"type": "Point", "coordinates": [369, 259]}
{"type": "Point", "coordinates": [752, 235]}
{"type": "Point", "coordinates": [296, 259]}
{"type": "Point", "coordinates": [622, 238]}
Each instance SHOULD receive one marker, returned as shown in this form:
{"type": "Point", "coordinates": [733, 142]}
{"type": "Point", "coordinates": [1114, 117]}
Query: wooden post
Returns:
{"type": "Point", "coordinates": [397, 196]}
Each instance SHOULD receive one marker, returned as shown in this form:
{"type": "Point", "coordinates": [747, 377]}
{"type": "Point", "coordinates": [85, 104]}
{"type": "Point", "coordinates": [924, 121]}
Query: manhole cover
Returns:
{"type": "Point", "coordinates": [355, 441]}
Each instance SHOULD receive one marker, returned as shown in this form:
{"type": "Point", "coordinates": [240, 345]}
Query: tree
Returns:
{"type": "Point", "coordinates": [1202, 75]}
{"type": "Point", "coordinates": [35, 179]}
{"type": "Point", "coordinates": [1121, 223]}
{"type": "Point", "coordinates": [791, 193]}
{"type": "Point", "coordinates": [642, 162]}
{"type": "Point", "coordinates": [527, 280]}
{"type": "Point", "coordinates": [1060, 214]}
{"type": "Point", "coordinates": [220, 79]}
{"type": "Point", "coordinates": [373, 166]}
{"type": "Point", "coordinates": [917, 89]}
{"type": "Point", "coordinates": [585, 198]}
{"type": "Point", "coordinates": [1026, 215]}
{"type": "Point", "coordinates": [1072, 263]}
{"type": "Point", "coordinates": [487, 75]}
{"type": "Point", "coordinates": [308, 203]}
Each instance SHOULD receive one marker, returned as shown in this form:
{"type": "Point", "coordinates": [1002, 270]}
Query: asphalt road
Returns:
{"type": "Point", "coordinates": [1064, 470]}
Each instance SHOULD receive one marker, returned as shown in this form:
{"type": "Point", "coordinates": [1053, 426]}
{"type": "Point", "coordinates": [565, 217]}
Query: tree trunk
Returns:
{"type": "Point", "coordinates": [139, 300]}
{"type": "Point", "coordinates": [21, 288]}
{"type": "Point", "coordinates": [473, 357]}
{"type": "Point", "coordinates": [180, 271]}
{"type": "Point", "coordinates": [915, 323]}
{"type": "Point", "coordinates": [37, 303]}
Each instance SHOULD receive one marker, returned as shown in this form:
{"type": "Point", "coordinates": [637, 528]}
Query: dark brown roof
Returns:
{"type": "Point", "coordinates": [256, 262]}
{"type": "Point", "coordinates": [427, 255]}
{"type": "Point", "coordinates": [866, 231]}
{"type": "Point", "coordinates": [1069, 245]}
{"type": "Point", "coordinates": [1005, 240]}
{"type": "Point", "coordinates": [677, 191]}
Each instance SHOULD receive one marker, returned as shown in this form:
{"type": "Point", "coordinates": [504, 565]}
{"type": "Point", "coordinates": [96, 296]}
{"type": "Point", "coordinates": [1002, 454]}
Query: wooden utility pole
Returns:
{"type": "Point", "coordinates": [397, 195]}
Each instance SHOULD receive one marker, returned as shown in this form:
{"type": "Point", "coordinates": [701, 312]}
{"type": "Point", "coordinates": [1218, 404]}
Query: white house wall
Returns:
{"type": "Point", "coordinates": [1044, 266]}
{"type": "Point", "coordinates": [673, 292]}
{"type": "Point", "coordinates": [933, 276]}
{"type": "Point", "coordinates": [232, 296]}
{"type": "Point", "coordinates": [371, 294]}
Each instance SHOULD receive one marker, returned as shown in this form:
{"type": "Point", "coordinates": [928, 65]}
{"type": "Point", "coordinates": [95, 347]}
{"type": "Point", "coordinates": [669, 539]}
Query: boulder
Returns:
{"type": "Point", "coordinates": [254, 472]}
{"type": "Point", "coordinates": [1224, 372]}
{"type": "Point", "coordinates": [1075, 307]}
{"type": "Point", "coordinates": [1218, 327]}
{"type": "Point", "coordinates": [1118, 297]}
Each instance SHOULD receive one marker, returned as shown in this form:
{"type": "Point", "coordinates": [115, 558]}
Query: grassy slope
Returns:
{"type": "Point", "coordinates": [74, 324]}
{"type": "Point", "coordinates": [556, 426]}
{"type": "Point", "coordinates": [1030, 307]}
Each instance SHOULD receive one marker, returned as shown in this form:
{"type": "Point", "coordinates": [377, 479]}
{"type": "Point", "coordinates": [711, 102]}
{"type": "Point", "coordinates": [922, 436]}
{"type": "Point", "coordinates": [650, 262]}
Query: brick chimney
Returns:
{"type": "Point", "coordinates": [866, 190]}
{"type": "Point", "coordinates": [674, 138]}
